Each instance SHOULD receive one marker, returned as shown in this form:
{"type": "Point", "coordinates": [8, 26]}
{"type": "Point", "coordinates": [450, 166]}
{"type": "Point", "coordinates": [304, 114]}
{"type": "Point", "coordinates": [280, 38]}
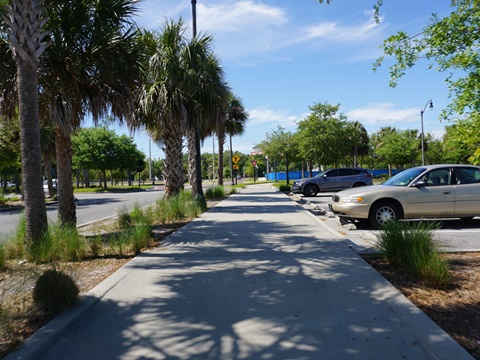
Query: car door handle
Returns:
{"type": "Point", "coordinates": [447, 192]}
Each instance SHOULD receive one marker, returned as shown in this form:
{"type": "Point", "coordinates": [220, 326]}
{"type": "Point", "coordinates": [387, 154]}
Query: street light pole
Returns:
{"type": "Point", "coordinates": [194, 17]}
{"type": "Point", "coordinates": [430, 105]}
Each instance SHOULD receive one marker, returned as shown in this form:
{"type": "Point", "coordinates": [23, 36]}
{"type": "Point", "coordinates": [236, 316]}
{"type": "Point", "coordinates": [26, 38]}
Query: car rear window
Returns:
{"type": "Point", "coordinates": [360, 172]}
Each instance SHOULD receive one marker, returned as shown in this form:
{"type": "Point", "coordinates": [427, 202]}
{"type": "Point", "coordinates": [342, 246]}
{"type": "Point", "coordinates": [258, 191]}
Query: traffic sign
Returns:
{"type": "Point", "coordinates": [254, 163]}
{"type": "Point", "coordinates": [235, 158]}
{"type": "Point", "coordinates": [235, 167]}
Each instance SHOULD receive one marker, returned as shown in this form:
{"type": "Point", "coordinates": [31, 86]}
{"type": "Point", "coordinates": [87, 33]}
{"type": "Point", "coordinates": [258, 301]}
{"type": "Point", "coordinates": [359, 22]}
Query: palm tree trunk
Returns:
{"type": "Point", "coordinates": [66, 205]}
{"type": "Point", "coordinates": [173, 161]}
{"type": "Point", "coordinates": [199, 196]}
{"type": "Point", "coordinates": [221, 142]}
{"type": "Point", "coordinates": [192, 172]}
{"type": "Point", "coordinates": [35, 210]}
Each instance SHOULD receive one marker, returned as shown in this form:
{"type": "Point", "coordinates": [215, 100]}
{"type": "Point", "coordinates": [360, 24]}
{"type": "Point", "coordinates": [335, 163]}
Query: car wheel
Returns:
{"type": "Point", "coordinates": [358, 184]}
{"type": "Point", "coordinates": [383, 212]}
{"type": "Point", "coordinates": [310, 190]}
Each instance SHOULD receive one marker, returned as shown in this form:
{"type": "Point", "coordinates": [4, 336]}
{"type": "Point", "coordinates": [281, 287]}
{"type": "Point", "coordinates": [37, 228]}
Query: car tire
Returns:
{"type": "Point", "coordinates": [310, 190]}
{"type": "Point", "coordinates": [383, 212]}
{"type": "Point", "coordinates": [358, 184]}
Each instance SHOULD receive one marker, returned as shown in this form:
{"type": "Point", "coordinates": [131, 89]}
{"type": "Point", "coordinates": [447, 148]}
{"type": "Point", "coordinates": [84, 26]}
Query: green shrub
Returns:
{"type": "Point", "coordinates": [285, 188]}
{"type": "Point", "coordinates": [412, 247]}
{"type": "Point", "coordinates": [96, 246]}
{"type": "Point", "coordinates": [55, 292]}
{"type": "Point", "coordinates": [70, 244]}
{"type": "Point", "coordinates": [139, 238]}
{"type": "Point", "coordinates": [175, 207]}
{"type": "Point", "coordinates": [60, 243]}
{"type": "Point", "coordinates": [215, 193]}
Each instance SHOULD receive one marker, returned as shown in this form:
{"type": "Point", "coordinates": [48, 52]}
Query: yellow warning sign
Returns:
{"type": "Point", "coordinates": [235, 158]}
{"type": "Point", "coordinates": [235, 167]}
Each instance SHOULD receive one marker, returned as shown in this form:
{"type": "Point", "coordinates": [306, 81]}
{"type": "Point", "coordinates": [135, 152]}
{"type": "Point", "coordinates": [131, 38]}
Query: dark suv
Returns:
{"type": "Point", "coordinates": [332, 180]}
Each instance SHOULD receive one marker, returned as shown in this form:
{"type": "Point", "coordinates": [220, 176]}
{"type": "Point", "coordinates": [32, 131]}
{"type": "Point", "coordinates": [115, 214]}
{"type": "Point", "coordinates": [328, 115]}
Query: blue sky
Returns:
{"type": "Point", "coordinates": [282, 56]}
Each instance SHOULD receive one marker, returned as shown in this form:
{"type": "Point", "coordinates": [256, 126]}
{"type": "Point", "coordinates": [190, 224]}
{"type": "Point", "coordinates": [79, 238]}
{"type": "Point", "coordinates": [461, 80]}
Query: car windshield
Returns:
{"type": "Point", "coordinates": [404, 178]}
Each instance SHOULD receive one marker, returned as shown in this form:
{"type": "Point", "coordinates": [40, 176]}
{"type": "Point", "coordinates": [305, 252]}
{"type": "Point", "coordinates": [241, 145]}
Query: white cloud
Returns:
{"type": "Point", "coordinates": [383, 114]}
{"type": "Point", "coordinates": [333, 32]}
{"type": "Point", "coordinates": [271, 117]}
{"type": "Point", "coordinates": [239, 17]}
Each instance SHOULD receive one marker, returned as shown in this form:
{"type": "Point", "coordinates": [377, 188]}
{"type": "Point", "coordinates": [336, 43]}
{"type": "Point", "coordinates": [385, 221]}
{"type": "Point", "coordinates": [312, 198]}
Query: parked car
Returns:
{"type": "Point", "coordinates": [332, 180]}
{"type": "Point", "coordinates": [45, 186]}
{"type": "Point", "coordinates": [434, 191]}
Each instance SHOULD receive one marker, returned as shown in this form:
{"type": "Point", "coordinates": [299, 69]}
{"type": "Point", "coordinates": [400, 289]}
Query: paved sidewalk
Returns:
{"type": "Point", "coordinates": [256, 277]}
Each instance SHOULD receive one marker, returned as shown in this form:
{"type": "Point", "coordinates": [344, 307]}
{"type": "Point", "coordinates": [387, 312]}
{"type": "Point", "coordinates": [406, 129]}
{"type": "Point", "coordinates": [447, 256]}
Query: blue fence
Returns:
{"type": "Point", "coordinates": [294, 175]}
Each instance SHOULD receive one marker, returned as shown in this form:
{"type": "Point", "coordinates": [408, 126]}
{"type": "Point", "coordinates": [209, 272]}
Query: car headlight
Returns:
{"type": "Point", "coordinates": [351, 199]}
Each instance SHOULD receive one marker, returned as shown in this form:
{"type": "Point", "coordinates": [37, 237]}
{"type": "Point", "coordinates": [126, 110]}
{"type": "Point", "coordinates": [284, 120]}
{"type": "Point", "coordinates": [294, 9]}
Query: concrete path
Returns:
{"type": "Point", "coordinates": [256, 277]}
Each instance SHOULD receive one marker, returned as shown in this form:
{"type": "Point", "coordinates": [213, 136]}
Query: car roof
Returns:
{"type": "Point", "coordinates": [435, 166]}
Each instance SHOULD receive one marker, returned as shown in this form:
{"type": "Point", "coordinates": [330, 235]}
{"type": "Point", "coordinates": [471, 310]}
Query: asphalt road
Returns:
{"type": "Point", "coordinates": [453, 235]}
{"type": "Point", "coordinates": [90, 207]}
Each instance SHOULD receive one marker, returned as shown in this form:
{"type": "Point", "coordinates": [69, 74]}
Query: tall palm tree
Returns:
{"type": "Point", "coordinates": [25, 27]}
{"type": "Point", "coordinates": [162, 107]}
{"type": "Point", "coordinates": [207, 95]}
{"type": "Point", "coordinates": [236, 117]}
{"type": "Point", "coordinates": [83, 71]}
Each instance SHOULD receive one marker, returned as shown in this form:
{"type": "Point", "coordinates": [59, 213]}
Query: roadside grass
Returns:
{"type": "Point", "coordinates": [282, 185]}
{"type": "Point", "coordinates": [412, 247]}
{"type": "Point", "coordinates": [215, 193]}
{"type": "Point", "coordinates": [5, 199]}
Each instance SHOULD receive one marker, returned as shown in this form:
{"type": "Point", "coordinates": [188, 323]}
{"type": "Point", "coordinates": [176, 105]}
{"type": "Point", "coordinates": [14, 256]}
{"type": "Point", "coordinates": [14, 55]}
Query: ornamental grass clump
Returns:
{"type": "Point", "coordinates": [124, 220]}
{"type": "Point", "coordinates": [59, 243]}
{"type": "Point", "coordinates": [215, 193]}
{"type": "Point", "coordinates": [175, 208]}
{"type": "Point", "coordinates": [412, 247]}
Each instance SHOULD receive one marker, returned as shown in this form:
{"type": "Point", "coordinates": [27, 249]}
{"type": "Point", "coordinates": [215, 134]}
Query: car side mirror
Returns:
{"type": "Point", "coordinates": [420, 183]}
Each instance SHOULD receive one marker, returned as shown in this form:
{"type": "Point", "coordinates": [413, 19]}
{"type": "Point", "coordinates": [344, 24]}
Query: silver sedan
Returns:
{"type": "Point", "coordinates": [434, 191]}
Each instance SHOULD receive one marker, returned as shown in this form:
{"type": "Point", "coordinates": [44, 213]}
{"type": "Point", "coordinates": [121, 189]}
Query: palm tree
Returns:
{"type": "Point", "coordinates": [83, 71]}
{"type": "Point", "coordinates": [25, 28]}
{"type": "Point", "coordinates": [162, 107]}
{"type": "Point", "coordinates": [236, 117]}
{"type": "Point", "coordinates": [207, 96]}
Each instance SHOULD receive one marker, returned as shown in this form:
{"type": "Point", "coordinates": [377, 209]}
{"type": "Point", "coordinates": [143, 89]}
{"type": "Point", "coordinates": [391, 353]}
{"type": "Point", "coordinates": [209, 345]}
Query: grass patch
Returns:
{"type": "Point", "coordinates": [215, 193]}
{"type": "Point", "coordinates": [412, 247]}
{"type": "Point", "coordinates": [176, 208]}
